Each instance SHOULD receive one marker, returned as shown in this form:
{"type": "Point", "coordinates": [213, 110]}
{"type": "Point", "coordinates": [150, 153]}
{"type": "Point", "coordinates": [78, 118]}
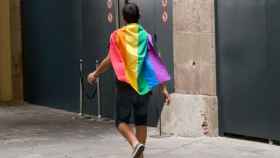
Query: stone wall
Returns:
{"type": "Point", "coordinates": [193, 111]}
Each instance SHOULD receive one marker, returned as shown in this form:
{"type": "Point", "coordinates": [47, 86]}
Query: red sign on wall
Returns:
{"type": "Point", "coordinates": [164, 16]}
{"type": "Point", "coordinates": [109, 4]}
{"type": "Point", "coordinates": [164, 3]}
{"type": "Point", "coordinates": [110, 16]}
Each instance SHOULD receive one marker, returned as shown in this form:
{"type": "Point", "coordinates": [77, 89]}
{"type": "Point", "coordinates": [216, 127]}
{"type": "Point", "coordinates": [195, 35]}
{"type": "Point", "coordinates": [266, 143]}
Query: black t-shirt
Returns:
{"type": "Point", "coordinates": [123, 86]}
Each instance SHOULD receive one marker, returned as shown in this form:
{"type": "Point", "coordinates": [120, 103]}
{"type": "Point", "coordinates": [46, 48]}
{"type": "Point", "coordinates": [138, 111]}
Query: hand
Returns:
{"type": "Point", "coordinates": [92, 78]}
{"type": "Point", "coordinates": [166, 96]}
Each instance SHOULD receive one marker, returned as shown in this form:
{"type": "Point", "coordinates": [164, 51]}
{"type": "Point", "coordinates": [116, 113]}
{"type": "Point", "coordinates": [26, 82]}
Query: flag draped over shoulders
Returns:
{"type": "Point", "coordinates": [134, 59]}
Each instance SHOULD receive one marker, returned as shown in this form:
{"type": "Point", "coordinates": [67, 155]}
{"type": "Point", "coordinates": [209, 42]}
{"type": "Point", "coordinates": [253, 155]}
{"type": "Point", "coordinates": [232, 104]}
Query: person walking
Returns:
{"type": "Point", "coordinates": [138, 69]}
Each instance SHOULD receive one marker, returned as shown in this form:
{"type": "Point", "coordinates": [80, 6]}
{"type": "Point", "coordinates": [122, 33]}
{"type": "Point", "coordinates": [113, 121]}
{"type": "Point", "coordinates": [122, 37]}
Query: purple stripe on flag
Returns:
{"type": "Point", "coordinates": [158, 65]}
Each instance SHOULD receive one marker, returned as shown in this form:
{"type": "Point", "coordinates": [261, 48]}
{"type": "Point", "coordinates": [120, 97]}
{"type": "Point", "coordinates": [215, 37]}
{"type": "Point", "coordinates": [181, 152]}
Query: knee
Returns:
{"type": "Point", "coordinates": [119, 124]}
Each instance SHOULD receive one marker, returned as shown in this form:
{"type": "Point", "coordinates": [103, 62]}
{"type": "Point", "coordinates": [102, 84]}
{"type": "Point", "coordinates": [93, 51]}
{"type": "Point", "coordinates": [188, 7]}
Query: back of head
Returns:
{"type": "Point", "coordinates": [131, 13]}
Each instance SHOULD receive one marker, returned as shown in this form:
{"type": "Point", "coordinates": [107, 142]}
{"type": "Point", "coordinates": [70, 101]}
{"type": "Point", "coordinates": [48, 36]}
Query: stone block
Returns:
{"type": "Point", "coordinates": [190, 116]}
{"type": "Point", "coordinates": [211, 112]}
{"type": "Point", "coordinates": [199, 16]}
{"type": "Point", "coordinates": [194, 58]}
{"type": "Point", "coordinates": [194, 16]}
{"type": "Point", "coordinates": [205, 49]}
{"type": "Point", "coordinates": [207, 79]}
{"type": "Point", "coordinates": [186, 72]}
{"type": "Point", "coordinates": [186, 79]}
{"type": "Point", "coordinates": [179, 8]}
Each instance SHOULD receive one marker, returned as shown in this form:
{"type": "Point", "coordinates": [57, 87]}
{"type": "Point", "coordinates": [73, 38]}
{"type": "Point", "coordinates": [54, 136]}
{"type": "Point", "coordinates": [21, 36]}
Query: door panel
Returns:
{"type": "Point", "coordinates": [59, 33]}
{"type": "Point", "coordinates": [51, 45]}
{"type": "Point", "coordinates": [96, 33]}
{"type": "Point", "coordinates": [248, 73]}
{"type": "Point", "coordinates": [273, 67]}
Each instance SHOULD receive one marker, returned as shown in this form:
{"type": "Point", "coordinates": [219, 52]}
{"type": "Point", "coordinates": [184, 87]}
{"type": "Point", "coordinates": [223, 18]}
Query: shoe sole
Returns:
{"type": "Point", "coordinates": [139, 151]}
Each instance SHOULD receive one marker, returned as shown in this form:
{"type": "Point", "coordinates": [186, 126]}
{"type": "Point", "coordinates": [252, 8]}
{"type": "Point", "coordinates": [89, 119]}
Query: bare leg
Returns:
{"type": "Point", "coordinates": [141, 134]}
{"type": "Point", "coordinates": [127, 132]}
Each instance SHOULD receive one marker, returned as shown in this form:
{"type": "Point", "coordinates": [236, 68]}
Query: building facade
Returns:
{"type": "Point", "coordinates": [194, 104]}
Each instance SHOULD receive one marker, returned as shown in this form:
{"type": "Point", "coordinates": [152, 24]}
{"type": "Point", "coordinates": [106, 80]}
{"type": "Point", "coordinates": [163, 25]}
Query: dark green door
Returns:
{"type": "Point", "coordinates": [248, 34]}
{"type": "Point", "coordinates": [97, 27]}
{"type": "Point", "coordinates": [51, 50]}
{"type": "Point", "coordinates": [57, 34]}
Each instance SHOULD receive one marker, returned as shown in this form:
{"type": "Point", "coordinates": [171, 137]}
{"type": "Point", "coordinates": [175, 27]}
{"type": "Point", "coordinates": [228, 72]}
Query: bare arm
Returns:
{"type": "Point", "coordinates": [165, 93]}
{"type": "Point", "coordinates": [102, 67]}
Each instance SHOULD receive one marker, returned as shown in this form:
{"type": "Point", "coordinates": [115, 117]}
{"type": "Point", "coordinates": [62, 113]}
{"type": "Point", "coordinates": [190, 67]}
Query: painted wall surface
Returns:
{"type": "Point", "coordinates": [5, 52]}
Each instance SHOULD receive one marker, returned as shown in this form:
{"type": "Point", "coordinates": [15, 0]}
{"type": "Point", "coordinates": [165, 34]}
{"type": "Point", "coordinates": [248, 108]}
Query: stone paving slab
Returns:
{"type": "Point", "coordinates": [40, 132]}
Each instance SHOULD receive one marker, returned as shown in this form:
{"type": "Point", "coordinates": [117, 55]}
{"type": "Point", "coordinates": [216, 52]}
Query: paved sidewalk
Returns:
{"type": "Point", "coordinates": [40, 132]}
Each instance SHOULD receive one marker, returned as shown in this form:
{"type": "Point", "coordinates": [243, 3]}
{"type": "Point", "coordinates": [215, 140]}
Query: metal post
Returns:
{"type": "Point", "coordinates": [117, 13]}
{"type": "Point", "coordinates": [98, 95]}
{"type": "Point", "coordinates": [81, 87]}
{"type": "Point", "coordinates": [160, 126]}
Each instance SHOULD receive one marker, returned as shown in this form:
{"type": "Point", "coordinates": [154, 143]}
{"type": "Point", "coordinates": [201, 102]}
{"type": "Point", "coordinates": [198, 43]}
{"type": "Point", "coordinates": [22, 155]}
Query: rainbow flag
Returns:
{"type": "Point", "coordinates": [134, 59]}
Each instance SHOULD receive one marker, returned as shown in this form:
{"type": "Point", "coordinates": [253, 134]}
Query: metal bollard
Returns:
{"type": "Point", "coordinates": [81, 88]}
{"type": "Point", "coordinates": [99, 115]}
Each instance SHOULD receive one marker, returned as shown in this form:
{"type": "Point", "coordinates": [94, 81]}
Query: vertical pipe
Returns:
{"type": "Point", "coordinates": [117, 13]}
{"type": "Point", "coordinates": [6, 93]}
{"type": "Point", "coordinates": [81, 87]}
{"type": "Point", "coordinates": [160, 125]}
{"type": "Point", "coordinates": [99, 115]}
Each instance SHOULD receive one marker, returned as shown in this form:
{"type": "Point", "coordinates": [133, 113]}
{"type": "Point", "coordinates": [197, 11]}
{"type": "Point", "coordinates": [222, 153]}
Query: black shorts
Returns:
{"type": "Point", "coordinates": [128, 102]}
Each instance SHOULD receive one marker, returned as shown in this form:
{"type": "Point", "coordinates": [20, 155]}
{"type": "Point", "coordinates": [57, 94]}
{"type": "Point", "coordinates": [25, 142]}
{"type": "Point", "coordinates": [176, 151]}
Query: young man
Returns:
{"type": "Point", "coordinates": [138, 69]}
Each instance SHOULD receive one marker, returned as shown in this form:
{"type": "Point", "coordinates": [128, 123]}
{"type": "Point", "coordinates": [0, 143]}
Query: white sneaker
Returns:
{"type": "Point", "coordinates": [138, 150]}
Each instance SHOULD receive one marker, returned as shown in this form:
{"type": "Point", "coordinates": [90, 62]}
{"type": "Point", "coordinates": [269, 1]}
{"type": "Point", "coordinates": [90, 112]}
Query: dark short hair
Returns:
{"type": "Point", "coordinates": [131, 13]}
